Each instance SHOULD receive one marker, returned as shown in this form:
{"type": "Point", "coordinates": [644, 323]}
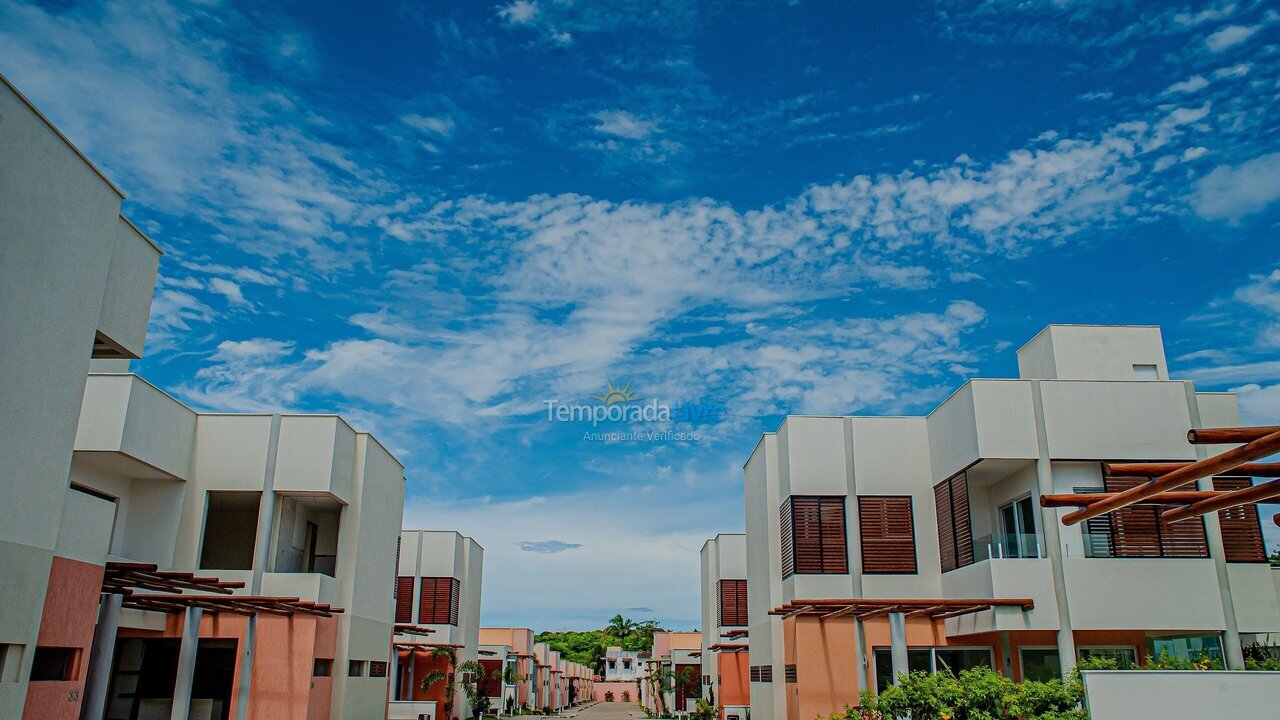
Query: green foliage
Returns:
{"type": "Point", "coordinates": [1171, 662]}
{"type": "Point", "coordinates": [608, 696]}
{"type": "Point", "coordinates": [1274, 558]}
{"type": "Point", "coordinates": [1097, 662]}
{"type": "Point", "coordinates": [705, 710]}
{"type": "Point", "coordinates": [976, 694]}
{"type": "Point", "coordinates": [588, 646]}
{"type": "Point", "coordinates": [1258, 656]}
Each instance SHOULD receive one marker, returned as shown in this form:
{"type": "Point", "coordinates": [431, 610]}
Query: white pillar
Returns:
{"type": "Point", "coordinates": [1049, 525]}
{"type": "Point", "coordinates": [186, 670]}
{"type": "Point", "coordinates": [101, 656]}
{"type": "Point", "coordinates": [246, 667]}
{"type": "Point", "coordinates": [860, 655]}
{"type": "Point", "coordinates": [898, 644]}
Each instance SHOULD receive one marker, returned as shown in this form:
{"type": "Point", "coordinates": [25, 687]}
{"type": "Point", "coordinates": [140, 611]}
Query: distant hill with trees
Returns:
{"type": "Point", "coordinates": [588, 646]}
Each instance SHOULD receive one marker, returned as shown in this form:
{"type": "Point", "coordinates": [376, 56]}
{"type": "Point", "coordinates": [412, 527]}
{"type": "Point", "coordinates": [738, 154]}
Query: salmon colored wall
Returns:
{"type": "Point", "coordinates": [424, 664]}
{"type": "Point", "coordinates": [522, 690]}
{"type": "Point", "coordinates": [826, 667]}
{"type": "Point", "coordinates": [734, 669]}
{"type": "Point", "coordinates": [69, 616]}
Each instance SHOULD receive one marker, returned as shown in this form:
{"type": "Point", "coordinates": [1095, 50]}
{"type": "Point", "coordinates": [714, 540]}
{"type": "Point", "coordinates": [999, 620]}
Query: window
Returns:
{"type": "Point", "coordinates": [762, 673]}
{"type": "Point", "coordinates": [1190, 647]}
{"type": "Point", "coordinates": [1146, 372]}
{"type": "Point", "coordinates": [789, 673]}
{"type": "Point", "coordinates": [1127, 657]}
{"type": "Point", "coordinates": [404, 600]}
{"type": "Point", "coordinates": [323, 667]}
{"type": "Point", "coordinates": [930, 660]}
{"type": "Point", "coordinates": [1041, 664]}
{"type": "Point", "coordinates": [888, 534]}
{"type": "Point", "coordinates": [1018, 537]}
{"type": "Point", "coordinates": [733, 603]}
{"type": "Point", "coordinates": [377, 669]}
{"type": "Point", "coordinates": [1138, 531]}
{"type": "Point", "coordinates": [813, 536]}
{"type": "Point", "coordinates": [955, 532]}
{"type": "Point", "coordinates": [1241, 526]}
{"type": "Point", "coordinates": [439, 601]}
{"type": "Point", "coordinates": [10, 662]}
{"type": "Point", "coordinates": [230, 530]}
{"type": "Point", "coordinates": [54, 664]}
{"type": "Point", "coordinates": [355, 668]}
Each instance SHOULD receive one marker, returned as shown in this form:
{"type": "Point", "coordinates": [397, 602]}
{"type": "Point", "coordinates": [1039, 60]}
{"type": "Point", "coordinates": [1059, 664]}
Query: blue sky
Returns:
{"type": "Point", "coordinates": [433, 217]}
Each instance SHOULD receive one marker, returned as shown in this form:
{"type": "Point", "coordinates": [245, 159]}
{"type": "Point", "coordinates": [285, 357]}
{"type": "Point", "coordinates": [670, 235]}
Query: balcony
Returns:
{"type": "Point", "coordinates": [130, 427]}
{"type": "Point", "coordinates": [997, 577]}
{"type": "Point", "coordinates": [1143, 593]}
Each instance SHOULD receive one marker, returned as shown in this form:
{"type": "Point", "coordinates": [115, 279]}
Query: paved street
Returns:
{"type": "Point", "coordinates": [606, 711]}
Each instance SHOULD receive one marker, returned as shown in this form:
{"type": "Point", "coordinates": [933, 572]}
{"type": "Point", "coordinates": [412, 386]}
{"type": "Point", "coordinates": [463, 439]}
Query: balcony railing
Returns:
{"type": "Point", "coordinates": [1008, 546]}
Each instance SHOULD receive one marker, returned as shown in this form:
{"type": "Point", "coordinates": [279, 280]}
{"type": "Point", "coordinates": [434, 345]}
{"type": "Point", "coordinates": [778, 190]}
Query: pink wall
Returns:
{"type": "Point", "coordinates": [617, 688]}
{"type": "Point", "coordinates": [70, 614]}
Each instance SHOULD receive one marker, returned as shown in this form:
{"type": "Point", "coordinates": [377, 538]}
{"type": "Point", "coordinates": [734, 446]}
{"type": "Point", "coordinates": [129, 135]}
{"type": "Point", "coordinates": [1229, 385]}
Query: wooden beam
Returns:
{"type": "Point", "coordinates": [797, 611]}
{"type": "Point", "coordinates": [878, 612]}
{"type": "Point", "coordinates": [961, 611]}
{"type": "Point", "coordinates": [839, 613]}
{"type": "Point", "coordinates": [1086, 499]}
{"type": "Point", "coordinates": [1216, 465]}
{"type": "Point", "coordinates": [1149, 470]}
{"type": "Point", "coordinates": [1221, 436]}
{"type": "Point", "coordinates": [927, 610]}
{"type": "Point", "coordinates": [1243, 496]}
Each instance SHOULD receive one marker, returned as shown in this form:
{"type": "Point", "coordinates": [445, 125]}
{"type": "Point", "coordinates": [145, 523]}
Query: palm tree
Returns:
{"type": "Point", "coordinates": [470, 671]}
{"type": "Point", "coordinates": [621, 627]}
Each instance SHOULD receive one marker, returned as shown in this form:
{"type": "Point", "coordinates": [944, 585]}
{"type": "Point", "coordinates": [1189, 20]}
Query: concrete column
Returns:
{"type": "Point", "coordinates": [898, 644]}
{"type": "Point", "coordinates": [246, 668]}
{"type": "Point", "coordinates": [1049, 525]}
{"type": "Point", "coordinates": [1232, 652]}
{"type": "Point", "coordinates": [186, 670]}
{"type": "Point", "coordinates": [860, 655]}
{"type": "Point", "coordinates": [1006, 655]}
{"type": "Point", "coordinates": [103, 653]}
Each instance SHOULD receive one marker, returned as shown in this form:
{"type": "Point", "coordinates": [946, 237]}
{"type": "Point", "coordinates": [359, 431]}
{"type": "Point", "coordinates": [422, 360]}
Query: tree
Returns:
{"type": "Point", "coordinates": [471, 672]}
{"type": "Point", "coordinates": [620, 627]}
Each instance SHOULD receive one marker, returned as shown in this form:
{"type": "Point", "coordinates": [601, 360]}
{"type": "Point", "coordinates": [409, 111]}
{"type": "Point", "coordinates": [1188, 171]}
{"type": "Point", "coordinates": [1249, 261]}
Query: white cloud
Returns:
{"type": "Point", "coordinates": [1234, 192]}
{"type": "Point", "coordinates": [1192, 84]}
{"type": "Point", "coordinates": [1206, 15]}
{"type": "Point", "coordinates": [520, 12]}
{"type": "Point", "coordinates": [624, 124]}
{"type": "Point", "coordinates": [1229, 37]}
{"type": "Point", "coordinates": [229, 290]}
{"type": "Point", "coordinates": [255, 349]}
{"type": "Point", "coordinates": [439, 126]}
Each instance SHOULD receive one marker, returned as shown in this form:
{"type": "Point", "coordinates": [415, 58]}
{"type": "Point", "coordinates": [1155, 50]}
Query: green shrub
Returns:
{"type": "Point", "coordinates": [1172, 662]}
{"type": "Point", "coordinates": [976, 694]}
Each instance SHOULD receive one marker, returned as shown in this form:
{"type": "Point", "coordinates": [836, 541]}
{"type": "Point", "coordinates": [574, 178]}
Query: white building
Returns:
{"type": "Point", "coordinates": [724, 624]}
{"type": "Point", "coordinates": [437, 610]}
{"type": "Point", "coordinates": [882, 521]}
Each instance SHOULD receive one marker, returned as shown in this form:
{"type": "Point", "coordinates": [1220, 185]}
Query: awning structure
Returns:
{"type": "Point", "coordinates": [207, 593]}
{"type": "Point", "coordinates": [728, 647]}
{"type": "Point", "coordinates": [412, 630]}
{"type": "Point", "coordinates": [865, 609]}
{"type": "Point", "coordinates": [1159, 483]}
{"type": "Point", "coordinates": [735, 634]}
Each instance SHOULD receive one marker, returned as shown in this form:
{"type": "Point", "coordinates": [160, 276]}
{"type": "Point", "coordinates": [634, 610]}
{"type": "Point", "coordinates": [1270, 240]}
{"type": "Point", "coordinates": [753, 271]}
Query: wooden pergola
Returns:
{"type": "Point", "coordinates": [411, 630]}
{"type": "Point", "coordinates": [1159, 483]}
{"type": "Point", "coordinates": [728, 647]}
{"type": "Point", "coordinates": [735, 633]}
{"type": "Point", "coordinates": [168, 593]}
{"type": "Point", "coordinates": [865, 608]}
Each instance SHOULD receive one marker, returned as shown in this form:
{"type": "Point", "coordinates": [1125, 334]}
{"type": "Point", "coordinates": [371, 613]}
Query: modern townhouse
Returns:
{"type": "Point", "coordinates": [159, 561]}
{"type": "Point", "coordinates": [515, 647]}
{"type": "Point", "coordinates": [623, 676]}
{"type": "Point", "coordinates": [880, 544]}
{"type": "Point", "coordinates": [542, 676]}
{"type": "Point", "coordinates": [437, 623]}
{"type": "Point", "coordinates": [75, 285]}
{"type": "Point", "coordinates": [673, 672]}
{"type": "Point", "coordinates": [725, 666]}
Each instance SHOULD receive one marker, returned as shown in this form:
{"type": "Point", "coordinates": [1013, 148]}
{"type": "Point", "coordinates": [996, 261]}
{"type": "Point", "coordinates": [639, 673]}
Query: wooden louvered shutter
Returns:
{"type": "Point", "coordinates": [1241, 526]}
{"type": "Point", "coordinates": [835, 554]}
{"type": "Point", "coordinates": [788, 540]}
{"type": "Point", "coordinates": [960, 513]}
{"type": "Point", "coordinates": [404, 599]}
{"type": "Point", "coordinates": [1138, 530]}
{"type": "Point", "coordinates": [806, 524]}
{"type": "Point", "coordinates": [455, 592]}
{"type": "Point", "coordinates": [733, 603]}
{"type": "Point", "coordinates": [888, 535]}
{"type": "Point", "coordinates": [946, 525]}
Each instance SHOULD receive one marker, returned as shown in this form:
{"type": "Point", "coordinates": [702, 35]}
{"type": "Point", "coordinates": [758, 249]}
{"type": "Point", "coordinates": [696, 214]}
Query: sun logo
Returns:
{"type": "Point", "coordinates": [612, 395]}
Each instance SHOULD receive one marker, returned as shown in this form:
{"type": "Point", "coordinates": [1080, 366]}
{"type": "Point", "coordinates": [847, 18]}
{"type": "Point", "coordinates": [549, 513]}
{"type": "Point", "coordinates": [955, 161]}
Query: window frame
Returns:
{"type": "Point", "coordinates": [824, 504]}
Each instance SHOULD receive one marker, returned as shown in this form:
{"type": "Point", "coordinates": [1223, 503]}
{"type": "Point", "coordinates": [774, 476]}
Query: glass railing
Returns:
{"type": "Point", "coordinates": [1005, 546]}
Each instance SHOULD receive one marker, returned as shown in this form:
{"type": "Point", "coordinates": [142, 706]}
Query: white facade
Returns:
{"type": "Point", "coordinates": [292, 505]}
{"type": "Point", "coordinates": [76, 280]}
{"type": "Point", "coordinates": [724, 557]}
{"type": "Point", "coordinates": [622, 665]}
{"type": "Point", "coordinates": [1087, 394]}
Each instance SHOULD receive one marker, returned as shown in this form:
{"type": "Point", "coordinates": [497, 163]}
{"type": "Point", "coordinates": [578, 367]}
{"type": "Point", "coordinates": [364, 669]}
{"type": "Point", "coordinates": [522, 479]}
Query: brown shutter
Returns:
{"type": "Point", "coordinates": [835, 554]}
{"type": "Point", "coordinates": [888, 535]}
{"type": "Point", "coordinates": [960, 513]}
{"type": "Point", "coordinates": [733, 603]}
{"type": "Point", "coordinates": [1138, 530]}
{"type": "Point", "coordinates": [1241, 526]}
{"type": "Point", "coordinates": [946, 525]}
{"type": "Point", "coordinates": [404, 599]}
{"type": "Point", "coordinates": [806, 526]}
{"type": "Point", "coordinates": [788, 540]}
{"type": "Point", "coordinates": [439, 603]}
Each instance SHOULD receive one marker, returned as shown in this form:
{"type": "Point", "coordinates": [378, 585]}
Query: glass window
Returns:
{"type": "Point", "coordinates": [956, 661]}
{"type": "Point", "coordinates": [1127, 657]}
{"type": "Point", "coordinates": [1018, 530]}
{"type": "Point", "coordinates": [1042, 664]}
{"type": "Point", "coordinates": [918, 660]}
{"type": "Point", "coordinates": [1188, 648]}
